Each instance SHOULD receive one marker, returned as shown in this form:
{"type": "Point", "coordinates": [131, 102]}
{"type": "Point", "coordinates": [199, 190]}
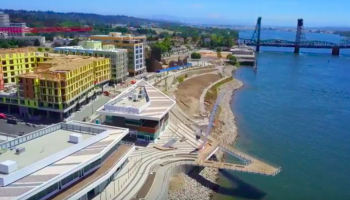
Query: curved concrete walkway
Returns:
{"type": "Point", "coordinates": [202, 97]}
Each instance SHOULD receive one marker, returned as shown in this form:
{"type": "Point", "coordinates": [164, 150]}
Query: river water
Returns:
{"type": "Point", "coordinates": [294, 112]}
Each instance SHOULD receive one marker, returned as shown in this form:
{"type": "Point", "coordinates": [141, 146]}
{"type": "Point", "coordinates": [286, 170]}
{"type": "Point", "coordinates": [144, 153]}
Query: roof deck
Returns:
{"type": "Point", "coordinates": [99, 137]}
{"type": "Point", "coordinates": [151, 103]}
{"type": "Point", "coordinates": [40, 148]}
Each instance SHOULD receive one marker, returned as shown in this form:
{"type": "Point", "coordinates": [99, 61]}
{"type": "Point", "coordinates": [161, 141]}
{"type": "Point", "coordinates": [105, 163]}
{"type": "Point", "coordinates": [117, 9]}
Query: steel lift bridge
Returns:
{"type": "Point", "coordinates": [210, 145]}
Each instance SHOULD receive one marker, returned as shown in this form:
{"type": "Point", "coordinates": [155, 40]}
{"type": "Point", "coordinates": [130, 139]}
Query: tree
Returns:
{"type": "Point", "coordinates": [37, 43]}
{"type": "Point", "coordinates": [47, 49]}
{"type": "Point", "coordinates": [40, 49]}
{"type": "Point", "coordinates": [185, 40]}
{"type": "Point", "coordinates": [56, 44]}
{"type": "Point", "coordinates": [195, 55]}
{"type": "Point", "coordinates": [23, 43]}
{"type": "Point", "coordinates": [180, 79]}
{"type": "Point", "coordinates": [219, 54]}
{"type": "Point", "coordinates": [232, 59]}
{"type": "Point", "coordinates": [5, 45]}
{"type": "Point", "coordinates": [74, 42]}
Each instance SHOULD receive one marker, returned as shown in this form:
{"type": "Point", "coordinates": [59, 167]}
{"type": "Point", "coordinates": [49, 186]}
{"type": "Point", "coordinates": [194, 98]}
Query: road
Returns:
{"type": "Point", "coordinates": [91, 108]}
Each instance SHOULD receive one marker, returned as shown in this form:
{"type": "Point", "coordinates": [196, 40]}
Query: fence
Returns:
{"type": "Point", "coordinates": [47, 130]}
{"type": "Point", "coordinates": [30, 136]}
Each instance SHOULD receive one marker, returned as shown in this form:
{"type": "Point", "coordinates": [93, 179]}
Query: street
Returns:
{"type": "Point", "coordinates": [91, 108]}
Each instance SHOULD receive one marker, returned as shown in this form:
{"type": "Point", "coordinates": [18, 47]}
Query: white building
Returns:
{"type": "Point", "coordinates": [142, 108]}
{"type": "Point", "coordinates": [134, 45]}
{"type": "Point", "coordinates": [119, 57]}
{"type": "Point", "coordinates": [62, 161]}
{"type": "Point", "coordinates": [5, 23]}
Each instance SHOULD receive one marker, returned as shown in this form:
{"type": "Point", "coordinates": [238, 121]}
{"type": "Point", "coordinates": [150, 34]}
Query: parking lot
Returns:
{"type": "Point", "coordinates": [15, 130]}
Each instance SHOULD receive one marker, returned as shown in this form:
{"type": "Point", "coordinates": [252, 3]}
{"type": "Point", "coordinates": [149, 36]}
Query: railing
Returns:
{"type": "Point", "coordinates": [82, 129]}
{"type": "Point", "coordinates": [30, 136]}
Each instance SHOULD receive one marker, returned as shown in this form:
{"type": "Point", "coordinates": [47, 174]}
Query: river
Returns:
{"type": "Point", "coordinates": [294, 112]}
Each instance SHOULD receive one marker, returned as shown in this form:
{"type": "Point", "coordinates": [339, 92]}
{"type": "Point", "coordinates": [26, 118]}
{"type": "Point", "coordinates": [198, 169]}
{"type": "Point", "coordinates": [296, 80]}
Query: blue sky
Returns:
{"type": "Point", "coordinates": [273, 12]}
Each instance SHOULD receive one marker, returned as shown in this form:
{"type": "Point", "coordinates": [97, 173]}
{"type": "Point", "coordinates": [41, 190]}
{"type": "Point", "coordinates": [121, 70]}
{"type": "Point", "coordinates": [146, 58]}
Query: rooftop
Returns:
{"type": "Point", "coordinates": [40, 148]}
{"type": "Point", "coordinates": [18, 50]}
{"type": "Point", "coordinates": [82, 49]}
{"type": "Point", "coordinates": [60, 64]}
{"type": "Point", "coordinates": [64, 156]}
{"type": "Point", "coordinates": [140, 101]}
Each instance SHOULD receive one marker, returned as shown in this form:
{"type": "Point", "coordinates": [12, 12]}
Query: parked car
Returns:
{"type": "Point", "coordinates": [2, 116]}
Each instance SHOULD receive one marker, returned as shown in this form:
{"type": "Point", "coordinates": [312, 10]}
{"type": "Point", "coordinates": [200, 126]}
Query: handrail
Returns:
{"type": "Point", "coordinates": [105, 173]}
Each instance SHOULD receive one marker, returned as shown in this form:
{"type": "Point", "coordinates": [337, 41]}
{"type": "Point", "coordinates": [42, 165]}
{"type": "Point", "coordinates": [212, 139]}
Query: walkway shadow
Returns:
{"type": "Point", "coordinates": [242, 189]}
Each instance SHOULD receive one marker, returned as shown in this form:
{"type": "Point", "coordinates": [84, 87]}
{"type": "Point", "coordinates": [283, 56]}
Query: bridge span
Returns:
{"type": "Point", "coordinates": [300, 41]}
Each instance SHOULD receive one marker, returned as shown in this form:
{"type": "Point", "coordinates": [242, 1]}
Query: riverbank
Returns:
{"type": "Point", "coordinates": [226, 133]}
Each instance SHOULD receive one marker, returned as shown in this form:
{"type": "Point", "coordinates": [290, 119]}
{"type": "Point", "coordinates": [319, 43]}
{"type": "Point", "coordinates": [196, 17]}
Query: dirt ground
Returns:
{"type": "Point", "coordinates": [189, 92]}
{"type": "Point", "coordinates": [214, 54]}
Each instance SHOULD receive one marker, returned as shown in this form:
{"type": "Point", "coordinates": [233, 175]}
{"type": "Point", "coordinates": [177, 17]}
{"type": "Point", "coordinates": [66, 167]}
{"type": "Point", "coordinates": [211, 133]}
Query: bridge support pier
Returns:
{"type": "Point", "coordinates": [335, 51]}
{"type": "Point", "coordinates": [257, 48]}
{"type": "Point", "coordinates": [296, 49]}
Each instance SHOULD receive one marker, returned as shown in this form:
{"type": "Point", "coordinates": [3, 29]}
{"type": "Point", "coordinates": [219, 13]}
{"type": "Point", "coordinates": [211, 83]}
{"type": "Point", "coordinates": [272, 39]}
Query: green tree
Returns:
{"type": "Point", "coordinates": [185, 40]}
{"type": "Point", "coordinates": [40, 49]}
{"type": "Point", "coordinates": [219, 54]}
{"type": "Point", "coordinates": [180, 79]}
{"type": "Point", "coordinates": [232, 59]}
{"type": "Point", "coordinates": [74, 42]}
{"type": "Point", "coordinates": [5, 45]}
{"type": "Point", "coordinates": [196, 55]}
{"type": "Point", "coordinates": [47, 49]}
{"type": "Point", "coordinates": [37, 43]}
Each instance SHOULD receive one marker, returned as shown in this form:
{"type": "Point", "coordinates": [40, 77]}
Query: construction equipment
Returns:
{"type": "Point", "coordinates": [44, 29]}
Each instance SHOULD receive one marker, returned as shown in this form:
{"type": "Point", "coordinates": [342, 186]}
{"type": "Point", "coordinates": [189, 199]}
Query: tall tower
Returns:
{"type": "Point", "coordinates": [256, 34]}
{"type": "Point", "coordinates": [300, 36]}
{"type": "Point", "coordinates": [4, 20]}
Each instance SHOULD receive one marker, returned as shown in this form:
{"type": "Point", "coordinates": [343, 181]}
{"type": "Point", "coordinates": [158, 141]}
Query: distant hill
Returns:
{"type": "Point", "coordinates": [52, 19]}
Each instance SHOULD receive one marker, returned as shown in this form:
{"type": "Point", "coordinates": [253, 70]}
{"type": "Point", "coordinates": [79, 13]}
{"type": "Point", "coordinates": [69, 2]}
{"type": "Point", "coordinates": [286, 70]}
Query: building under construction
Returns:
{"type": "Point", "coordinates": [50, 85]}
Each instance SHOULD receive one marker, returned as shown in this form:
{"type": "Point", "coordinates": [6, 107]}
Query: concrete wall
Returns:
{"type": "Point", "coordinates": [160, 186]}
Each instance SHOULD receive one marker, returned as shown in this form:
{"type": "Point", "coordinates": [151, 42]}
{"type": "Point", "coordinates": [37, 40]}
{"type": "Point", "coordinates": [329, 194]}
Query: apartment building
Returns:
{"type": "Point", "coordinates": [50, 85]}
{"type": "Point", "coordinates": [62, 161]}
{"type": "Point", "coordinates": [59, 86]}
{"type": "Point", "coordinates": [134, 45]}
{"type": "Point", "coordinates": [118, 57]}
{"type": "Point", "coordinates": [14, 62]}
{"type": "Point", "coordinates": [142, 108]}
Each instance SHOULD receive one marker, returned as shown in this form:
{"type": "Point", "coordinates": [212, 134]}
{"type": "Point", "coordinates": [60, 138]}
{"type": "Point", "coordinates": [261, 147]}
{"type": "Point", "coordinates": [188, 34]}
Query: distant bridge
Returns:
{"type": "Point", "coordinates": [299, 42]}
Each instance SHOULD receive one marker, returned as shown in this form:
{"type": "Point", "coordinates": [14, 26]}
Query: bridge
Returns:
{"type": "Point", "coordinates": [300, 41]}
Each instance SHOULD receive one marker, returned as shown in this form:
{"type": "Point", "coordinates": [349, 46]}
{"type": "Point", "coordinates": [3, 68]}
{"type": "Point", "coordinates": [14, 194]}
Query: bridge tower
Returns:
{"type": "Point", "coordinates": [256, 34]}
{"type": "Point", "coordinates": [299, 36]}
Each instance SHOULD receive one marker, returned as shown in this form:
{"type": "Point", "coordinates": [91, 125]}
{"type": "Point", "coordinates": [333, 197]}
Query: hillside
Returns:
{"type": "Point", "coordinates": [51, 19]}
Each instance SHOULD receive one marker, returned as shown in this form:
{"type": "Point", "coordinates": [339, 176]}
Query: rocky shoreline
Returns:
{"type": "Point", "coordinates": [191, 189]}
